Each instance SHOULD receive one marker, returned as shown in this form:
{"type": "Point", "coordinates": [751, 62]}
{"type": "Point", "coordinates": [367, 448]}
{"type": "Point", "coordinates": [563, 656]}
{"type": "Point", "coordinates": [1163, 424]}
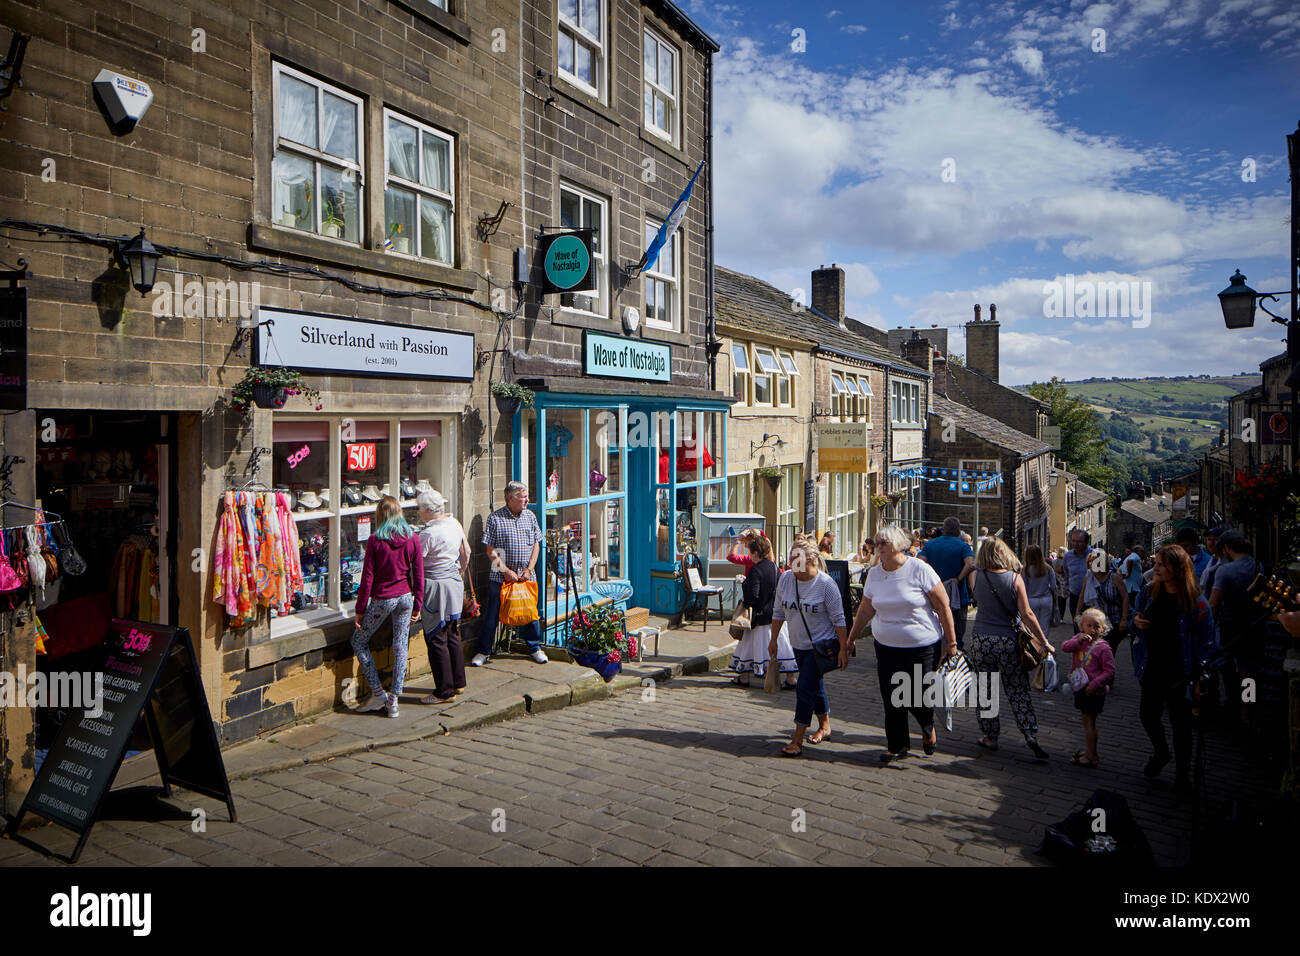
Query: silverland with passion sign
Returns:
{"type": "Point", "coordinates": [312, 342]}
{"type": "Point", "coordinates": [615, 357]}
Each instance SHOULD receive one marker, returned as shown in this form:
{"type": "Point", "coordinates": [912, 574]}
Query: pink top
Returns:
{"type": "Point", "coordinates": [746, 561]}
{"type": "Point", "coordinates": [391, 568]}
{"type": "Point", "coordinates": [1101, 665]}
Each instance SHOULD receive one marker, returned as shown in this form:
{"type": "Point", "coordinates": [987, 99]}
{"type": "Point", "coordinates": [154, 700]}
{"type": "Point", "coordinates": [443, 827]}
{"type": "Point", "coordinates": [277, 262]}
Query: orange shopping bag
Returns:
{"type": "Point", "coordinates": [518, 603]}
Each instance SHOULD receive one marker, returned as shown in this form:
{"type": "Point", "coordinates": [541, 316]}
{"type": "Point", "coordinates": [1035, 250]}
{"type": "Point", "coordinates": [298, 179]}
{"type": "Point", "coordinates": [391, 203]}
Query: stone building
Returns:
{"type": "Point", "coordinates": [1145, 521]}
{"type": "Point", "coordinates": [360, 192]}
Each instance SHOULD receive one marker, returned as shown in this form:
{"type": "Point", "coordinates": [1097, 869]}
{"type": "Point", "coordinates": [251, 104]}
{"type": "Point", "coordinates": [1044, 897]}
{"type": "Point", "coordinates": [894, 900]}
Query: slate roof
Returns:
{"type": "Point", "coordinates": [744, 302]}
{"type": "Point", "coordinates": [955, 373]}
{"type": "Point", "coordinates": [1149, 509]}
{"type": "Point", "coordinates": [990, 429]}
{"type": "Point", "coordinates": [1085, 495]}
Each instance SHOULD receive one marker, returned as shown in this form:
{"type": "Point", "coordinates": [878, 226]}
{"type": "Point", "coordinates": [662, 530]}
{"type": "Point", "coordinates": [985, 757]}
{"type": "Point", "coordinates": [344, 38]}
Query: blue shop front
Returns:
{"type": "Point", "coordinates": [626, 466]}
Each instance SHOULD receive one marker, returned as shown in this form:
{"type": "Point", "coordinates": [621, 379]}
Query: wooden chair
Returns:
{"type": "Point", "coordinates": [697, 593]}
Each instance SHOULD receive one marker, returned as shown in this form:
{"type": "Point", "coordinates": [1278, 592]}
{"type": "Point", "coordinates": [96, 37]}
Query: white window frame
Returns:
{"type": "Point", "coordinates": [421, 190]}
{"type": "Point", "coordinates": [601, 292]}
{"type": "Point", "coordinates": [741, 351]}
{"type": "Point", "coordinates": [762, 371]}
{"type": "Point", "coordinates": [653, 88]}
{"type": "Point", "coordinates": [577, 33]}
{"type": "Point", "coordinates": [843, 503]}
{"type": "Point", "coordinates": [839, 393]}
{"type": "Point", "coordinates": [663, 282]}
{"type": "Point", "coordinates": [905, 397]}
{"type": "Point", "coordinates": [789, 496]}
{"type": "Point", "coordinates": [864, 399]}
{"type": "Point", "coordinates": [316, 156]}
{"type": "Point", "coordinates": [978, 464]}
{"type": "Point", "coordinates": [738, 487]}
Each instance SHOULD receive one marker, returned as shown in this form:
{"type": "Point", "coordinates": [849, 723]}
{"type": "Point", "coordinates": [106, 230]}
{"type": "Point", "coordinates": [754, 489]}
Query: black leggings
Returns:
{"type": "Point", "coordinates": [1157, 693]}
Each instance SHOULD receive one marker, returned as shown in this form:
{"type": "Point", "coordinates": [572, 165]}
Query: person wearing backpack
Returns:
{"type": "Point", "coordinates": [1092, 674]}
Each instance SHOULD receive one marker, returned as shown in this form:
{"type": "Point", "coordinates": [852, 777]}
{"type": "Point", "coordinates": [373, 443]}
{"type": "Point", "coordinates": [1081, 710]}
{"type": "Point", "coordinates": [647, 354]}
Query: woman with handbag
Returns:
{"type": "Point", "coordinates": [1105, 590]}
{"type": "Point", "coordinates": [391, 575]}
{"type": "Point", "coordinates": [445, 552]}
{"type": "Point", "coordinates": [1040, 585]}
{"type": "Point", "coordinates": [808, 601]}
{"type": "Point", "coordinates": [758, 593]}
{"type": "Point", "coordinates": [910, 606]}
{"type": "Point", "coordinates": [1006, 632]}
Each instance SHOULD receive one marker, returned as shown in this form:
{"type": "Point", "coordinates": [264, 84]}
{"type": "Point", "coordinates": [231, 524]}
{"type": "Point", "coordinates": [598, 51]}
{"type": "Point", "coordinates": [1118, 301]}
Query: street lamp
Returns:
{"type": "Point", "coordinates": [142, 260]}
{"type": "Point", "coordinates": [1238, 300]}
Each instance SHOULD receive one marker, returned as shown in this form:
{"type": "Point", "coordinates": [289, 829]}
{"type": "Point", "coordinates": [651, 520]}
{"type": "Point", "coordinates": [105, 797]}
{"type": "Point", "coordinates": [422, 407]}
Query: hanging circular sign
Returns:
{"type": "Point", "coordinates": [1277, 423]}
{"type": "Point", "coordinates": [566, 262]}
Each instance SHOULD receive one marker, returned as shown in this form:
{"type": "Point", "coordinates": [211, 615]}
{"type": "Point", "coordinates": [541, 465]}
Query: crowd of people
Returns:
{"type": "Point", "coordinates": [1178, 607]}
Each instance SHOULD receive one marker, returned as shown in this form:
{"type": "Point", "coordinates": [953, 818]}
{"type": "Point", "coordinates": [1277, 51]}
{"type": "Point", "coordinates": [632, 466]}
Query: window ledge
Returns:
{"type": "Point", "coordinates": [309, 246]}
{"type": "Point", "coordinates": [576, 95]}
{"type": "Point", "coordinates": [299, 642]}
{"type": "Point", "coordinates": [438, 17]}
{"type": "Point", "coordinates": [663, 145]}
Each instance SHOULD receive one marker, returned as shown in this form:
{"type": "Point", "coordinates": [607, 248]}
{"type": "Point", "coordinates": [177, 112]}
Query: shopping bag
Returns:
{"type": "Point", "coordinates": [956, 676]}
{"type": "Point", "coordinates": [739, 622]}
{"type": "Point", "coordinates": [772, 679]}
{"type": "Point", "coordinates": [518, 603]}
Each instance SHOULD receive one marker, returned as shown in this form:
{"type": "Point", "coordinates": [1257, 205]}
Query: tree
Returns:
{"type": "Point", "coordinates": [1082, 444]}
{"type": "Point", "coordinates": [1155, 441]}
{"type": "Point", "coordinates": [956, 358]}
{"type": "Point", "coordinates": [1167, 443]}
{"type": "Point", "coordinates": [1184, 446]}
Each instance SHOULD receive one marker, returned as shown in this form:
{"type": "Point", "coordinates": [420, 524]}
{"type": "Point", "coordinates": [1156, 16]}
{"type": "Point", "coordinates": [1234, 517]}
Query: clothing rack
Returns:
{"type": "Point", "coordinates": [58, 519]}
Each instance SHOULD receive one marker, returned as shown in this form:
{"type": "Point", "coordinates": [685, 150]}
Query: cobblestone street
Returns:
{"type": "Point", "coordinates": [689, 777]}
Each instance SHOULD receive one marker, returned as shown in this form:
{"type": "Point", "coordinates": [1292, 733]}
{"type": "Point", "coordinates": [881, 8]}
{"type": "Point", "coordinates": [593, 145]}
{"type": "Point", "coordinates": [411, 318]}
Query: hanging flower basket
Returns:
{"type": "Point", "coordinates": [510, 397]}
{"type": "Point", "coordinates": [268, 396]}
{"type": "Point", "coordinates": [270, 387]}
{"type": "Point", "coordinates": [772, 476]}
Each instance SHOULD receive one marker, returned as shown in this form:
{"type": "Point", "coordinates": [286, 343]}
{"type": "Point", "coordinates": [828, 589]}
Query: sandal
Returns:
{"type": "Point", "coordinates": [435, 699]}
{"type": "Point", "coordinates": [928, 744]}
{"type": "Point", "coordinates": [987, 743]}
{"type": "Point", "coordinates": [787, 752]}
{"type": "Point", "coordinates": [1079, 760]}
{"type": "Point", "coordinates": [818, 737]}
{"type": "Point", "coordinates": [737, 682]}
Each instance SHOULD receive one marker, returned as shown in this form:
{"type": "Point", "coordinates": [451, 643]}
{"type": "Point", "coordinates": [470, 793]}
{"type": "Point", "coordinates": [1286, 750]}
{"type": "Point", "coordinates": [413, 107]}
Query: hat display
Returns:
{"type": "Point", "coordinates": [324, 494]}
{"type": "Point", "coordinates": [386, 490]}
{"type": "Point", "coordinates": [371, 493]}
{"type": "Point", "coordinates": [408, 488]}
{"type": "Point", "coordinates": [352, 492]}
{"type": "Point", "coordinates": [308, 501]}
{"type": "Point", "coordinates": [423, 485]}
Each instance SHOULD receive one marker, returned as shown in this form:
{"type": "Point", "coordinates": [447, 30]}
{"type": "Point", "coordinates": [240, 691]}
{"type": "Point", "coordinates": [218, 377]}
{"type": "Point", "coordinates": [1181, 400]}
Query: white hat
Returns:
{"type": "Point", "coordinates": [371, 493]}
{"type": "Point", "coordinates": [307, 501]}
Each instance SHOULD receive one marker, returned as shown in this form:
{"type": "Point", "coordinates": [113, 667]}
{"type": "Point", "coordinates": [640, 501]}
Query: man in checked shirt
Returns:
{"type": "Point", "coordinates": [513, 539]}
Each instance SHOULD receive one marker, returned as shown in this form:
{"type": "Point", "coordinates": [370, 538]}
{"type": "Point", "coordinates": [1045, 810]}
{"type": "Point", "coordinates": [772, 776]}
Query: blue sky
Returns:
{"type": "Point", "coordinates": [1122, 164]}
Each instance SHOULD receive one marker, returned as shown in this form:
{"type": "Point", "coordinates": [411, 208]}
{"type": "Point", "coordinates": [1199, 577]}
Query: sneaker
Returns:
{"type": "Point", "coordinates": [376, 702]}
{"type": "Point", "coordinates": [539, 657]}
{"type": "Point", "coordinates": [479, 660]}
{"type": "Point", "coordinates": [392, 705]}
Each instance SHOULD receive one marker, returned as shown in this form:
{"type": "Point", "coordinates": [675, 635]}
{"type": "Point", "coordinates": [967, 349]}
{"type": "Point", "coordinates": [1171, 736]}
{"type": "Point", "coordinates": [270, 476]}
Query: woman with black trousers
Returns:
{"type": "Point", "coordinates": [1174, 635]}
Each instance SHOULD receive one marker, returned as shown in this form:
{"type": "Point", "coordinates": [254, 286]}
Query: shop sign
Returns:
{"type": "Point", "coordinates": [1276, 430]}
{"type": "Point", "coordinates": [614, 357]}
{"type": "Point", "coordinates": [567, 262]}
{"type": "Point", "coordinates": [149, 668]}
{"type": "Point", "coordinates": [842, 447]}
{"type": "Point", "coordinates": [312, 342]}
{"type": "Point", "coordinates": [13, 349]}
{"type": "Point", "coordinates": [907, 444]}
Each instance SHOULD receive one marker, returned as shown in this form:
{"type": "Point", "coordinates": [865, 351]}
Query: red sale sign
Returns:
{"type": "Point", "coordinates": [361, 457]}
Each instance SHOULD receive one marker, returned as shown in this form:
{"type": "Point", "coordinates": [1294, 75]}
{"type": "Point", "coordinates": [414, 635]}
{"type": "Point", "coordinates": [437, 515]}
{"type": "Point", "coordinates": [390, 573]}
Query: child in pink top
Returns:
{"type": "Point", "coordinates": [1091, 674]}
{"type": "Point", "coordinates": [740, 551]}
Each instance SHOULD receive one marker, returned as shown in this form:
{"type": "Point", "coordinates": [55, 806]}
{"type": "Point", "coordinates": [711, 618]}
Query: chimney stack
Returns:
{"type": "Point", "coordinates": [982, 344]}
{"type": "Point", "coordinates": [940, 379]}
{"type": "Point", "coordinates": [919, 352]}
{"type": "Point", "coordinates": [828, 292]}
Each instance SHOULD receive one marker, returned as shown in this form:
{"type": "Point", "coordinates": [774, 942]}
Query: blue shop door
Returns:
{"type": "Point", "coordinates": [641, 525]}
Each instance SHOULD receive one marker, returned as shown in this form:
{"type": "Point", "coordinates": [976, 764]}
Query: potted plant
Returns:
{"type": "Point", "coordinates": [398, 243]}
{"type": "Point", "coordinates": [597, 640]}
{"type": "Point", "coordinates": [511, 397]}
{"type": "Point", "coordinates": [771, 475]}
{"type": "Point", "coordinates": [270, 387]}
{"type": "Point", "coordinates": [332, 223]}
{"type": "Point", "coordinates": [879, 502]}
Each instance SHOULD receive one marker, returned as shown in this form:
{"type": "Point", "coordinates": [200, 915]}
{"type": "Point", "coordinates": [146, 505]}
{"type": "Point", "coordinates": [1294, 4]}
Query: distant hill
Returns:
{"type": "Point", "coordinates": [1157, 427]}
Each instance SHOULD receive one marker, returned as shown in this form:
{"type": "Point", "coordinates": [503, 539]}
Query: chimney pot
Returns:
{"type": "Point", "coordinates": [977, 312]}
{"type": "Point", "coordinates": [993, 312]}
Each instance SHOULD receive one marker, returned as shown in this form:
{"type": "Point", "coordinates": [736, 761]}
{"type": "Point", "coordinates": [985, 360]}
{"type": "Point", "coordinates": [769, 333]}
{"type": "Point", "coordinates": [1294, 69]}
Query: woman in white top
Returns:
{"type": "Point", "coordinates": [446, 556]}
{"type": "Point", "coordinates": [809, 602]}
{"type": "Point", "coordinates": [1040, 586]}
{"type": "Point", "coordinates": [911, 614]}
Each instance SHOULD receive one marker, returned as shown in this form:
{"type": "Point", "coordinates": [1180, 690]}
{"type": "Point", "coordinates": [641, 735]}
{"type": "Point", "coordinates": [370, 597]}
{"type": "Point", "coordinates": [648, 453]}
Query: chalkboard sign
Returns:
{"type": "Point", "coordinates": [809, 507]}
{"type": "Point", "coordinates": [149, 670]}
{"type": "Point", "coordinates": [839, 573]}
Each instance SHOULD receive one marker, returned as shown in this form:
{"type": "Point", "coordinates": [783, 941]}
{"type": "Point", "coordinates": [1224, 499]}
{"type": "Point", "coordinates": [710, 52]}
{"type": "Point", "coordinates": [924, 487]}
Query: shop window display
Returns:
{"type": "Point", "coordinates": [570, 522]}
{"type": "Point", "coordinates": [604, 477]}
{"type": "Point", "coordinates": [364, 461]}
{"type": "Point", "coordinates": [567, 474]}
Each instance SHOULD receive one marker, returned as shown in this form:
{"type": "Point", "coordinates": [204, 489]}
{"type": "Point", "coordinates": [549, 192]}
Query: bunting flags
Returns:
{"type": "Point", "coordinates": [969, 480]}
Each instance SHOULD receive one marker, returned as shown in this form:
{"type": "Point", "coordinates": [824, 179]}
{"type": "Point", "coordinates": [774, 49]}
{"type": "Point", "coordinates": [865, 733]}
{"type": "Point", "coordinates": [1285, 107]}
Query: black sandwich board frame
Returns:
{"type": "Point", "coordinates": [171, 700]}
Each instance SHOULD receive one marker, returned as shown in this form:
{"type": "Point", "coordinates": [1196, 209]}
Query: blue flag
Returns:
{"type": "Point", "coordinates": [670, 225]}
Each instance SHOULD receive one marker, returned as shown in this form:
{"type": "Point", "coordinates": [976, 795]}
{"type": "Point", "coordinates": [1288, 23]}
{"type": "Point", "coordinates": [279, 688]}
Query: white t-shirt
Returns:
{"type": "Point", "coordinates": [440, 542]}
{"type": "Point", "coordinates": [823, 608]}
{"type": "Point", "coordinates": [904, 615]}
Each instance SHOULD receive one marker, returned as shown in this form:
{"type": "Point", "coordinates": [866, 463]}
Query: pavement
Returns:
{"type": "Point", "coordinates": [681, 772]}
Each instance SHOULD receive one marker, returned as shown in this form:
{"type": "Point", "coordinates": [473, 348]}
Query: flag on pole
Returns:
{"type": "Point", "coordinates": [670, 225]}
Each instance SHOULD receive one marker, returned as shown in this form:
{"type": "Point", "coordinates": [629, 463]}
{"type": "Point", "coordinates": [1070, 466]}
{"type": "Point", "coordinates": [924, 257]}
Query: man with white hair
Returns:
{"type": "Point", "coordinates": [513, 540]}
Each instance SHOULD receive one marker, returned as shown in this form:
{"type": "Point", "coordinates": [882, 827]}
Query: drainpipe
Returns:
{"type": "Point", "coordinates": [710, 323]}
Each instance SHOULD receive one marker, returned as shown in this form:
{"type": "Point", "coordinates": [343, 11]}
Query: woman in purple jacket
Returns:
{"type": "Point", "coordinates": [1175, 636]}
{"type": "Point", "coordinates": [393, 573]}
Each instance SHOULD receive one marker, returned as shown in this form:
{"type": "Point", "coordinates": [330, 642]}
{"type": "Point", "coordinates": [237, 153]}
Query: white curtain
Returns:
{"type": "Point", "coordinates": [435, 163]}
{"type": "Point", "coordinates": [436, 228]}
{"type": "Point", "coordinates": [402, 159]}
{"type": "Point", "coordinates": [297, 111]}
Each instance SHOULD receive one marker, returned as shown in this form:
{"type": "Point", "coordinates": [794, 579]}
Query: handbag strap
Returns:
{"type": "Point", "coordinates": [798, 603]}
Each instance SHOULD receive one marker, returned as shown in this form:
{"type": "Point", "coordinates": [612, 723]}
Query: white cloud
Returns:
{"type": "Point", "coordinates": [853, 28]}
{"type": "Point", "coordinates": [1028, 59]}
